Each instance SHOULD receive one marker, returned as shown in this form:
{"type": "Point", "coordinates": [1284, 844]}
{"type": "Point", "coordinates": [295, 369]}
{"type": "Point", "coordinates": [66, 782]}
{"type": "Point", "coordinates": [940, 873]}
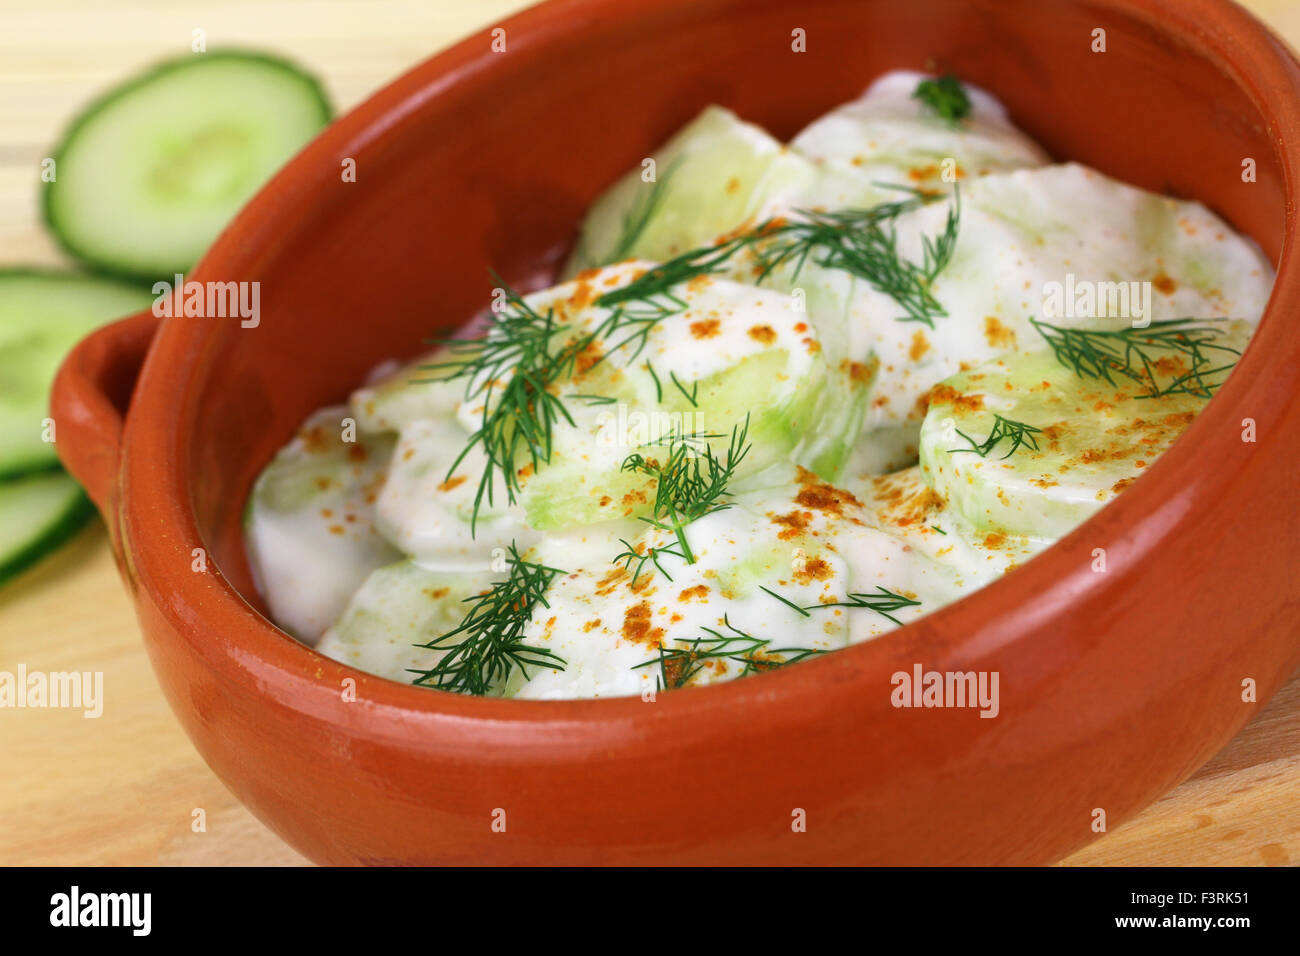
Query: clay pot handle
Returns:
{"type": "Point", "coordinates": [91, 393]}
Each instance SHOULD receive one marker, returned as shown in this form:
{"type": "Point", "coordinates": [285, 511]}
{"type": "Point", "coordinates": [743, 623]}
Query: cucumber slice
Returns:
{"type": "Point", "coordinates": [426, 513]}
{"type": "Point", "coordinates": [904, 506]}
{"type": "Point", "coordinates": [406, 604]}
{"type": "Point", "coordinates": [399, 606]}
{"type": "Point", "coordinates": [1095, 438]}
{"type": "Point", "coordinates": [309, 523]}
{"type": "Point", "coordinates": [42, 315]}
{"type": "Point", "coordinates": [734, 351]}
{"type": "Point", "coordinates": [889, 136]}
{"type": "Point", "coordinates": [152, 171]}
{"type": "Point", "coordinates": [37, 514]}
{"type": "Point", "coordinates": [719, 172]}
{"type": "Point", "coordinates": [409, 394]}
{"type": "Point", "coordinates": [421, 510]}
{"type": "Point", "coordinates": [715, 174]}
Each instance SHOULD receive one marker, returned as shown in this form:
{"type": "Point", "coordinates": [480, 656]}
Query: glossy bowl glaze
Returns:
{"type": "Point", "coordinates": [1114, 686]}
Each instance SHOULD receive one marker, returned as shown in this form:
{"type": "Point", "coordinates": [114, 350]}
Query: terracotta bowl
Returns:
{"type": "Point", "coordinates": [1114, 686]}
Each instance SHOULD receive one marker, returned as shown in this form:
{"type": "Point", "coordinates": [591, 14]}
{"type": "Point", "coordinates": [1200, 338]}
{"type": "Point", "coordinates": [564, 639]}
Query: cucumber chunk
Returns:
{"type": "Point", "coordinates": [397, 607]}
{"type": "Point", "coordinates": [735, 353]}
{"type": "Point", "coordinates": [1095, 438]}
{"type": "Point", "coordinates": [889, 136]}
{"type": "Point", "coordinates": [37, 514]}
{"type": "Point", "coordinates": [714, 175]}
{"type": "Point", "coordinates": [904, 506]}
{"type": "Point", "coordinates": [309, 523]}
{"type": "Point", "coordinates": [406, 604]}
{"type": "Point", "coordinates": [719, 173]}
{"type": "Point", "coordinates": [409, 394]}
{"type": "Point", "coordinates": [429, 514]}
{"type": "Point", "coordinates": [423, 510]}
{"type": "Point", "coordinates": [150, 173]}
{"type": "Point", "coordinates": [42, 315]}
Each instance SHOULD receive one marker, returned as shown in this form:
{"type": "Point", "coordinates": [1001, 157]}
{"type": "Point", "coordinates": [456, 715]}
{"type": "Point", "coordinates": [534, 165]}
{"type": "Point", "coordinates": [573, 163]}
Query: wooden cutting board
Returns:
{"type": "Point", "coordinates": [123, 789]}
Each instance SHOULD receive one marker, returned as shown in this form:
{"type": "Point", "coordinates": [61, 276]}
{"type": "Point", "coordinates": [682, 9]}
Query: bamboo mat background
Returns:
{"type": "Point", "coordinates": [120, 790]}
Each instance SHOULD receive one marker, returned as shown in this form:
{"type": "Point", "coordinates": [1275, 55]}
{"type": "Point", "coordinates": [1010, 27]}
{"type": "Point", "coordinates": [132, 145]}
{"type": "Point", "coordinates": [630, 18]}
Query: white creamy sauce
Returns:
{"type": "Point", "coordinates": [426, 512]}
{"type": "Point", "coordinates": [888, 136]}
{"type": "Point", "coordinates": [310, 528]}
{"type": "Point", "coordinates": [385, 544]}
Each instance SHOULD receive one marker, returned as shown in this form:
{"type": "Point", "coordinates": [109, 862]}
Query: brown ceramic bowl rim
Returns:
{"type": "Point", "coordinates": [156, 474]}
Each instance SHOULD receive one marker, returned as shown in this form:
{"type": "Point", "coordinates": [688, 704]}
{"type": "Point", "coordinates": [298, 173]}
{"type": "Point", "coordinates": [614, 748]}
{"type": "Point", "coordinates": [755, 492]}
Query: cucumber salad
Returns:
{"type": "Point", "coordinates": [789, 397]}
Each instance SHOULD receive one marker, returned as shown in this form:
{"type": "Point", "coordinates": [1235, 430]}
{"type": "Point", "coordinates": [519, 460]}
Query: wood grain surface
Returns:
{"type": "Point", "coordinates": [123, 788]}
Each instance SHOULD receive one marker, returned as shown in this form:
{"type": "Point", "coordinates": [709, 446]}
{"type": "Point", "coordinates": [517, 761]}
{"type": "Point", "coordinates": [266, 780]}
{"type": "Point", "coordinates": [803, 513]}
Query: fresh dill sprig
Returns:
{"type": "Point", "coordinates": [696, 439]}
{"type": "Point", "coordinates": [1018, 433]}
{"type": "Point", "coordinates": [511, 370]}
{"type": "Point", "coordinates": [690, 396]}
{"type": "Point", "coordinates": [651, 292]}
{"type": "Point", "coordinates": [654, 376]}
{"type": "Point", "coordinates": [679, 665]}
{"type": "Point", "coordinates": [1102, 354]}
{"type": "Point", "coordinates": [883, 601]}
{"type": "Point", "coordinates": [690, 482]}
{"type": "Point", "coordinates": [831, 232]}
{"type": "Point", "coordinates": [491, 636]}
{"type": "Point", "coordinates": [632, 556]}
{"type": "Point", "coordinates": [786, 601]}
{"type": "Point", "coordinates": [864, 242]}
{"type": "Point", "coordinates": [945, 96]}
{"type": "Point", "coordinates": [638, 319]}
{"type": "Point", "coordinates": [778, 657]}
